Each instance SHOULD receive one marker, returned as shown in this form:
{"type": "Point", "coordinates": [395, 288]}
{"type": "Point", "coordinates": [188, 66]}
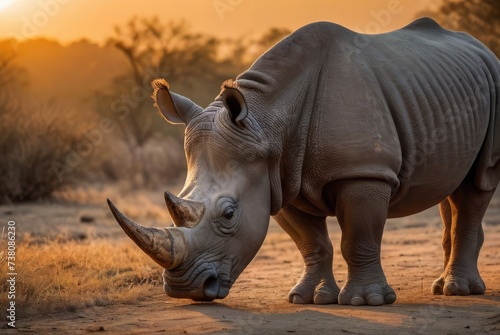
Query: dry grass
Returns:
{"type": "Point", "coordinates": [65, 275]}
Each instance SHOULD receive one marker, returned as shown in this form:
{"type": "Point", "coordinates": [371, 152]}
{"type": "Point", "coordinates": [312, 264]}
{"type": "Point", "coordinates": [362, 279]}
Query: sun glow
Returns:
{"type": "Point", "coordinates": [5, 3]}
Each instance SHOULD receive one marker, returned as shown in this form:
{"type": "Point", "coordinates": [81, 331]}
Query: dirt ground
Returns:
{"type": "Point", "coordinates": [411, 257]}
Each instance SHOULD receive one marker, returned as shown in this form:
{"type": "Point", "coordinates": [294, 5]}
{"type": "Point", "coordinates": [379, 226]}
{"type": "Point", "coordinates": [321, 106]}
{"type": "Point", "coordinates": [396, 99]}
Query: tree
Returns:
{"type": "Point", "coordinates": [480, 18]}
{"type": "Point", "coordinates": [11, 75]}
{"type": "Point", "coordinates": [171, 47]}
{"type": "Point", "coordinates": [153, 49]}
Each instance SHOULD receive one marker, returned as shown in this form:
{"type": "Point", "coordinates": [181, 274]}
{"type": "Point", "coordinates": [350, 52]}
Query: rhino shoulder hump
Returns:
{"type": "Point", "coordinates": [323, 29]}
{"type": "Point", "coordinates": [424, 23]}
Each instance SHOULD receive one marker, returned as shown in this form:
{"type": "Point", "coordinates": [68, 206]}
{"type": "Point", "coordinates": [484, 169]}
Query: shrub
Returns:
{"type": "Point", "coordinates": [32, 138]}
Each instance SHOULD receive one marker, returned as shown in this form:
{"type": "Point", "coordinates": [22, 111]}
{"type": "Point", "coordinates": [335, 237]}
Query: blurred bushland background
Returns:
{"type": "Point", "coordinates": [81, 113]}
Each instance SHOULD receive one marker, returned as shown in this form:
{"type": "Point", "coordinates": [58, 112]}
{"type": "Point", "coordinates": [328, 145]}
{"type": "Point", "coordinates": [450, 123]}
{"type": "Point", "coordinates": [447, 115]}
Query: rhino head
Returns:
{"type": "Point", "coordinates": [220, 217]}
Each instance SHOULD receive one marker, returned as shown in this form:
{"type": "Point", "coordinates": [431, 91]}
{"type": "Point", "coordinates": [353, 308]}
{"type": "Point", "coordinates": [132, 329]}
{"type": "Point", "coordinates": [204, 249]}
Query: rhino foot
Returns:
{"type": "Point", "coordinates": [458, 285]}
{"type": "Point", "coordinates": [307, 291]}
{"type": "Point", "coordinates": [374, 294]}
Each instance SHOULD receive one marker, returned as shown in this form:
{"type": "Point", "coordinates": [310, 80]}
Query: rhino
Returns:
{"type": "Point", "coordinates": [330, 122]}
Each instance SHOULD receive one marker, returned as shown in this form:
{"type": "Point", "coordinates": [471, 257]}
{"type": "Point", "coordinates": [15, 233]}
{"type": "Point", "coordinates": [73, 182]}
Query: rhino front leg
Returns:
{"type": "Point", "coordinates": [317, 284]}
{"type": "Point", "coordinates": [462, 213]}
{"type": "Point", "coordinates": [361, 209]}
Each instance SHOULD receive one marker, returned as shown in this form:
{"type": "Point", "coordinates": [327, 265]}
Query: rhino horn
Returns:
{"type": "Point", "coordinates": [184, 213]}
{"type": "Point", "coordinates": [167, 246]}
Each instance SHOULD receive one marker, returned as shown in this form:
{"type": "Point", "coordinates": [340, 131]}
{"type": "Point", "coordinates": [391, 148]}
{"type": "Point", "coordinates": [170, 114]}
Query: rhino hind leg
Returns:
{"type": "Point", "coordinates": [361, 209]}
{"type": "Point", "coordinates": [462, 213]}
{"type": "Point", "coordinates": [317, 284]}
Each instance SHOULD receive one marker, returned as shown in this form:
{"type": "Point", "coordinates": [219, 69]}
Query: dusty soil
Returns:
{"type": "Point", "coordinates": [411, 256]}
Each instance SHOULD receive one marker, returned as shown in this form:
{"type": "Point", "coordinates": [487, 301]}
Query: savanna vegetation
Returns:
{"type": "Point", "coordinates": [114, 136]}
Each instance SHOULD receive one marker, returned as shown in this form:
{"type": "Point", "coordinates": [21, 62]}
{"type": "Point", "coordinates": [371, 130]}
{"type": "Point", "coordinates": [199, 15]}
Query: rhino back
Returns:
{"type": "Point", "coordinates": [411, 107]}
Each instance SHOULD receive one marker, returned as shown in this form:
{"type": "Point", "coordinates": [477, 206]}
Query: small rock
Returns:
{"type": "Point", "coordinates": [95, 329]}
{"type": "Point", "coordinates": [87, 219]}
{"type": "Point", "coordinates": [80, 236]}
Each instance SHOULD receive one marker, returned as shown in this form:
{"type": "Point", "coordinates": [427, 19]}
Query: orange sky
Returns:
{"type": "Point", "coordinates": [67, 20]}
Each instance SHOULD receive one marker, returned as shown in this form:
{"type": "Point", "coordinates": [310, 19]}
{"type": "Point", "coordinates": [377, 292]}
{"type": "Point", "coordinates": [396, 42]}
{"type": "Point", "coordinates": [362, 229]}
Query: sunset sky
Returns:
{"type": "Point", "coordinates": [68, 20]}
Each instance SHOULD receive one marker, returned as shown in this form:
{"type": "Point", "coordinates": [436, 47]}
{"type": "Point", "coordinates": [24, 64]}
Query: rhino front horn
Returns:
{"type": "Point", "coordinates": [167, 246]}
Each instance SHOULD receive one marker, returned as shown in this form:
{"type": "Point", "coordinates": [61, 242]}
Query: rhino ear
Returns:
{"type": "Point", "coordinates": [234, 101]}
{"type": "Point", "coordinates": [173, 107]}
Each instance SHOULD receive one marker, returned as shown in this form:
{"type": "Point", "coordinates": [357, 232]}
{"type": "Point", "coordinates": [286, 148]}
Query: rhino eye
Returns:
{"type": "Point", "coordinates": [228, 213]}
{"type": "Point", "coordinates": [226, 222]}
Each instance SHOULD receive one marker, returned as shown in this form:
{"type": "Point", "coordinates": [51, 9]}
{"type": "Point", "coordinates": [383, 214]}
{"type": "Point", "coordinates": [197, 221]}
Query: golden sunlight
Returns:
{"type": "Point", "coordinates": [5, 3]}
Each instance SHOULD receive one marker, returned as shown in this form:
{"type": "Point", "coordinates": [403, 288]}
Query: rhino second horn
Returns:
{"type": "Point", "coordinates": [184, 213]}
{"type": "Point", "coordinates": [155, 242]}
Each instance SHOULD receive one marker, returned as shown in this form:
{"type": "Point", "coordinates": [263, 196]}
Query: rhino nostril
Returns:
{"type": "Point", "coordinates": [211, 288]}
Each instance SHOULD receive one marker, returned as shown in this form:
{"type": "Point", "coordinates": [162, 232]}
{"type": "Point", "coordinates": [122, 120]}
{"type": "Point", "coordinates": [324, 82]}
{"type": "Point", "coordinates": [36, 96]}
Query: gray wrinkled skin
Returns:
{"type": "Point", "coordinates": [333, 123]}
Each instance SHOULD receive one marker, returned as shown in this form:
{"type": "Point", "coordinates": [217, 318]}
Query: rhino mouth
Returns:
{"type": "Point", "coordinates": [201, 284]}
